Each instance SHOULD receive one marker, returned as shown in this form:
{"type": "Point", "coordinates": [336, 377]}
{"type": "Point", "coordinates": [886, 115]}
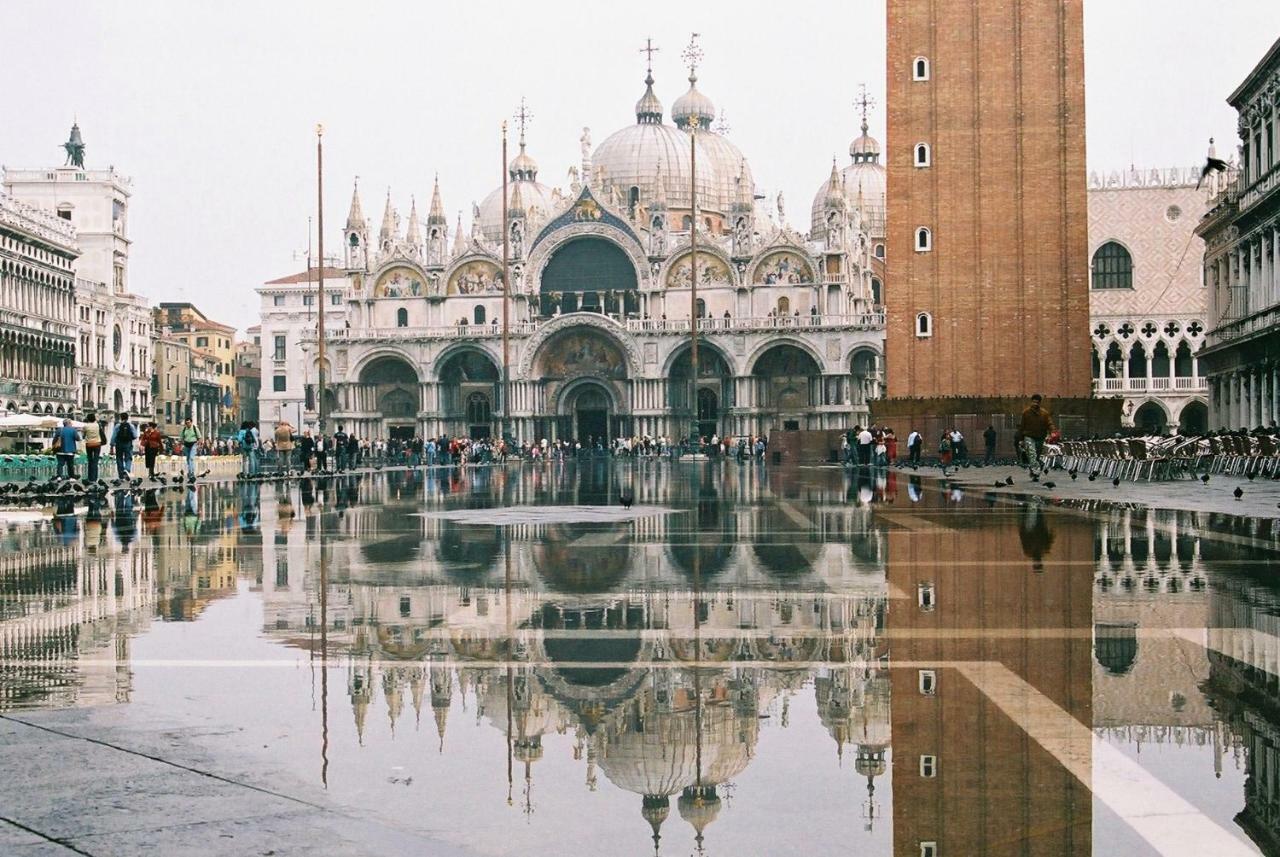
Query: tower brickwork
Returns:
{"type": "Point", "coordinates": [987, 222]}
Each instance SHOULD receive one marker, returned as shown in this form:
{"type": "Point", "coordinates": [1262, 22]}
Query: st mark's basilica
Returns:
{"type": "Point", "coordinates": [791, 323]}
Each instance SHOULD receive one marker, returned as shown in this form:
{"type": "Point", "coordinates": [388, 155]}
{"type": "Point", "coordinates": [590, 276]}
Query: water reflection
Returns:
{"type": "Point", "coordinates": [891, 636]}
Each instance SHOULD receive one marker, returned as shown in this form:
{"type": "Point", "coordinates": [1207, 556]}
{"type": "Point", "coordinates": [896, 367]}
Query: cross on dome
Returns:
{"type": "Point", "coordinates": [649, 50]}
{"type": "Point", "coordinates": [864, 102]}
{"type": "Point", "coordinates": [523, 116]}
{"type": "Point", "coordinates": [692, 55]}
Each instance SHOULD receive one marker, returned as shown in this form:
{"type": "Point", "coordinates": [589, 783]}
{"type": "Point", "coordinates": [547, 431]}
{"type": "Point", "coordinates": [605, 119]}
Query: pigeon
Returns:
{"type": "Point", "coordinates": [1008, 480]}
{"type": "Point", "coordinates": [626, 498]}
{"type": "Point", "coordinates": [999, 484]}
{"type": "Point", "coordinates": [204, 473]}
{"type": "Point", "coordinates": [1115, 483]}
{"type": "Point", "coordinates": [1073, 473]}
{"type": "Point", "coordinates": [1093, 477]}
{"type": "Point", "coordinates": [1238, 493]}
{"type": "Point", "coordinates": [1035, 477]}
{"type": "Point", "coordinates": [1211, 165]}
{"type": "Point", "coordinates": [1205, 479]}
{"type": "Point", "coordinates": [1051, 485]}
{"type": "Point", "coordinates": [1250, 475]}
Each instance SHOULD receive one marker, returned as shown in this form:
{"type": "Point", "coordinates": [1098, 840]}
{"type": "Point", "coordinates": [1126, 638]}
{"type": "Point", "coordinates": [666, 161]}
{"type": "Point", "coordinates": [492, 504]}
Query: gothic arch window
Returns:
{"type": "Point", "coordinates": [924, 325]}
{"type": "Point", "coordinates": [402, 317]}
{"type": "Point", "coordinates": [1112, 267]}
{"type": "Point", "coordinates": [924, 240]}
{"type": "Point", "coordinates": [702, 308]}
{"type": "Point", "coordinates": [920, 69]}
{"type": "Point", "coordinates": [879, 251]}
{"type": "Point", "coordinates": [478, 314]}
{"type": "Point", "coordinates": [877, 291]}
{"type": "Point", "coordinates": [922, 155]}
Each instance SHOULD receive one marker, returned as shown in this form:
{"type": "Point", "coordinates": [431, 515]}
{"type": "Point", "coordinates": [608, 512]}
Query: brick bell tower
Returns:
{"type": "Point", "coordinates": [987, 216]}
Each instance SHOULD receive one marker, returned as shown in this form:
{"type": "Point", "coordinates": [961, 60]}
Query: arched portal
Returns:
{"type": "Point", "coordinates": [714, 391]}
{"type": "Point", "coordinates": [864, 365]}
{"type": "Point", "coordinates": [787, 381]}
{"type": "Point", "coordinates": [469, 393]}
{"type": "Point", "coordinates": [1151, 418]}
{"type": "Point", "coordinates": [394, 386]}
{"type": "Point", "coordinates": [590, 274]}
{"type": "Point", "coordinates": [583, 369]}
{"type": "Point", "coordinates": [1194, 419]}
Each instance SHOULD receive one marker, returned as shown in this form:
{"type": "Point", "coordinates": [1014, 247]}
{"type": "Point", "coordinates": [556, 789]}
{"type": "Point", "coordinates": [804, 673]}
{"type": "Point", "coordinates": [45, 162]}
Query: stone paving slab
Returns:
{"type": "Point", "coordinates": [1260, 499]}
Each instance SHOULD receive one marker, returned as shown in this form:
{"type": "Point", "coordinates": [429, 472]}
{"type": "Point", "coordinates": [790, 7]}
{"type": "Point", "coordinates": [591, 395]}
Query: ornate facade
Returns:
{"type": "Point", "coordinates": [790, 326]}
{"type": "Point", "coordinates": [37, 309]}
{"type": "Point", "coordinates": [113, 324]}
{"type": "Point", "coordinates": [1148, 305]}
{"type": "Point", "coordinates": [1241, 231]}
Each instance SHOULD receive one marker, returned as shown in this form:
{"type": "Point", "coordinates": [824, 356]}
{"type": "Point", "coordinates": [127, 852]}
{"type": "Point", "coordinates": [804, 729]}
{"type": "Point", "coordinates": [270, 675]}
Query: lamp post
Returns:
{"type": "Point", "coordinates": [506, 294]}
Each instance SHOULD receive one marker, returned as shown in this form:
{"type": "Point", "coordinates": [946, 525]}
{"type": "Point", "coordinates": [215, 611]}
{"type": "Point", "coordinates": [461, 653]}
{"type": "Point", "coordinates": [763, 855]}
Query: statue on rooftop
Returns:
{"type": "Point", "coordinates": [75, 147]}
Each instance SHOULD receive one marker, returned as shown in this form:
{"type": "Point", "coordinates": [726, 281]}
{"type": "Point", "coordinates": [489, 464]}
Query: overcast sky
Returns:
{"type": "Point", "coordinates": [211, 107]}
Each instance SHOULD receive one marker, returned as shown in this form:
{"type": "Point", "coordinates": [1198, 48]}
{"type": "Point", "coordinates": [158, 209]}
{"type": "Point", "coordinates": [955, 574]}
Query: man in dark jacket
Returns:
{"type": "Point", "coordinates": [1036, 425]}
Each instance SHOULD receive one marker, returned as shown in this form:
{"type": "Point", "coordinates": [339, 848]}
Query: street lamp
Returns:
{"type": "Point", "coordinates": [306, 374]}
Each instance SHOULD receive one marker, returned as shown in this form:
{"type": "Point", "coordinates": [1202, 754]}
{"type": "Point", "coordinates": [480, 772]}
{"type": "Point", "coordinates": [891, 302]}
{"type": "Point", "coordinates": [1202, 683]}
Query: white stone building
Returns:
{"type": "Point", "coordinates": [289, 316]}
{"type": "Point", "coordinates": [114, 334]}
{"type": "Point", "coordinates": [1148, 304]}
{"type": "Point", "coordinates": [791, 335]}
{"type": "Point", "coordinates": [37, 309]}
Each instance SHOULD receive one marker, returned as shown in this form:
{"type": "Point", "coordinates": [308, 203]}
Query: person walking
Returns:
{"type": "Point", "coordinates": [64, 447]}
{"type": "Point", "coordinates": [152, 441]}
{"type": "Point", "coordinates": [945, 451]}
{"type": "Point", "coordinates": [353, 451]}
{"type": "Point", "coordinates": [1035, 426]}
{"type": "Point", "coordinates": [122, 437]}
{"type": "Point", "coordinates": [189, 437]}
{"type": "Point", "coordinates": [322, 452]}
{"type": "Point", "coordinates": [340, 449]}
{"type": "Point", "coordinates": [284, 445]}
{"type": "Point", "coordinates": [915, 443]}
{"type": "Point", "coordinates": [891, 445]}
{"type": "Point", "coordinates": [989, 441]}
{"type": "Point", "coordinates": [864, 447]}
{"type": "Point", "coordinates": [93, 433]}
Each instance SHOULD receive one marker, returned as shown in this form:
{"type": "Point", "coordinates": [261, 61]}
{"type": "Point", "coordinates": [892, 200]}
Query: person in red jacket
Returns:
{"type": "Point", "coordinates": [152, 442]}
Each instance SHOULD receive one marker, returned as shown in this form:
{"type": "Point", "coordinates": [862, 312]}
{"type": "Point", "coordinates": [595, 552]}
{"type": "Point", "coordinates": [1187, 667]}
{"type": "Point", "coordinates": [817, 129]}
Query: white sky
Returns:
{"type": "Point", "coordinates": [211, 106]}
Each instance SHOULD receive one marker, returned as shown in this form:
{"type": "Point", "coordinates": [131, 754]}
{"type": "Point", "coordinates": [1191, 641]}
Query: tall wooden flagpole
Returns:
{"type": "Point", "coordinates": [693, 55]}
{"type": "Point", "coordinates": [320, 272]}
{"type": "Point", "coordinates": [506, 294]}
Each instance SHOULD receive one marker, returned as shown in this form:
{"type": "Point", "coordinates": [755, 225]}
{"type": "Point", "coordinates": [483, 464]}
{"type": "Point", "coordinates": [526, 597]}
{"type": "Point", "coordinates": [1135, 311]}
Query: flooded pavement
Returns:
{"type": "Point", "coordinates": [746, 661]}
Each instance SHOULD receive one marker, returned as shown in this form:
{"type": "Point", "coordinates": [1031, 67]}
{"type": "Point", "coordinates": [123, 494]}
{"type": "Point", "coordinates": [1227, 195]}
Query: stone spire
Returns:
{"type": "Point", "coordinates": [387, 234]}
{"type": "Point", "coordinates": [355, 215]}
{"type": "Point", "coordinates": [413, 236]}
{"type": "Point", "coordinates": [459, 238]}
{"type": "Point", "coordinates": [436, 214]}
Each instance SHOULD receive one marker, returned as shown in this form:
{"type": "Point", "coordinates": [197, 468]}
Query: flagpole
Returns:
{"type": "Point", "coordinates": [506, 293]}
{"type": "Point", "coordinates": [320, 272]}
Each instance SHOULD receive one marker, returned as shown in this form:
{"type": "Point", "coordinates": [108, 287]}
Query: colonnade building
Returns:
{"type": "Point", "coordinates": [1241, 231]}
{"type": "Point", "coordinates": [790, 324]}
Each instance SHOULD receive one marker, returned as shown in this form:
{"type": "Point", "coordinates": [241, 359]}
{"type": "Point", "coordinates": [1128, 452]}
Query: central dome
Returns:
{"type": "Point", "coordinates": [632, 159]}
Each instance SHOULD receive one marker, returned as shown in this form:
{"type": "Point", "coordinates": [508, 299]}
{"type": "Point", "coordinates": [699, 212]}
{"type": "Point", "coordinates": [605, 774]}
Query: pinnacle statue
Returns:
{"type": "Point", "coordinates": [75, 147]}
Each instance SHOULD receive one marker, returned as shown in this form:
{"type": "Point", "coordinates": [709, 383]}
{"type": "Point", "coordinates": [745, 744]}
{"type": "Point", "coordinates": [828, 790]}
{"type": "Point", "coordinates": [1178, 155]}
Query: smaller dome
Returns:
{"type": "Point", "coordinates": [649, 108]}
{"type": "Point", "coordinates": [523, 167]}
{"type": "Point", "coordinates": [864, 147]}
{"type": "Point", "coordinates": [693, 108]}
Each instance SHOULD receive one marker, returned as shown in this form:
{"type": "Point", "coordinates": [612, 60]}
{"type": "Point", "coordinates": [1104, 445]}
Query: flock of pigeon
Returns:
{"type": "Point", "coordinates": [64, 487]}
{"type": "Point", "coordinates": [1074, 473]}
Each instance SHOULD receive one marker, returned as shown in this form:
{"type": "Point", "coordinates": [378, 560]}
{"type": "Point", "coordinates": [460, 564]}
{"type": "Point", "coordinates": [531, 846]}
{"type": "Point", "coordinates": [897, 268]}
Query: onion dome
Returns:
{"type": "Point", "coordinates": [649, 108]}
{"type": "Point", "coordinates": [864, 147]}
{"type": "Point", "coordinates": [693, 108]}
{"type": "Point", "coordinates": [864, 188]}
{"type": "Point", "coordinates": [655, 809]}
{"type": "Point", "coordinates": [699, 806]}
{"type": "Point", "coordinates": [533, 197]}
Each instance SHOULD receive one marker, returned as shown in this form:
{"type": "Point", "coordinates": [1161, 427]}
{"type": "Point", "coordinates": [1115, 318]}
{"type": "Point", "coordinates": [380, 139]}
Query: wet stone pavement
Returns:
{"type": "Point", "coordinates": [748, 661]}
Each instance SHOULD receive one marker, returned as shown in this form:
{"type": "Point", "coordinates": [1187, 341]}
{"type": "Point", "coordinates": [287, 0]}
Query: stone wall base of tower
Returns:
{"type": "Point", "coordinates": [1075, 417]}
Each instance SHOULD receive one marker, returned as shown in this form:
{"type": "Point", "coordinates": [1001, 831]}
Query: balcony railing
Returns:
{"type": "Point", "coordinates": [1152, 385]}
{"type": "Point", "coordinates": [1267, 319]}
{"type": "Point", "coordinates": [856, 321]}
{"type": "Point", "coordinates": [1259, 189]}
